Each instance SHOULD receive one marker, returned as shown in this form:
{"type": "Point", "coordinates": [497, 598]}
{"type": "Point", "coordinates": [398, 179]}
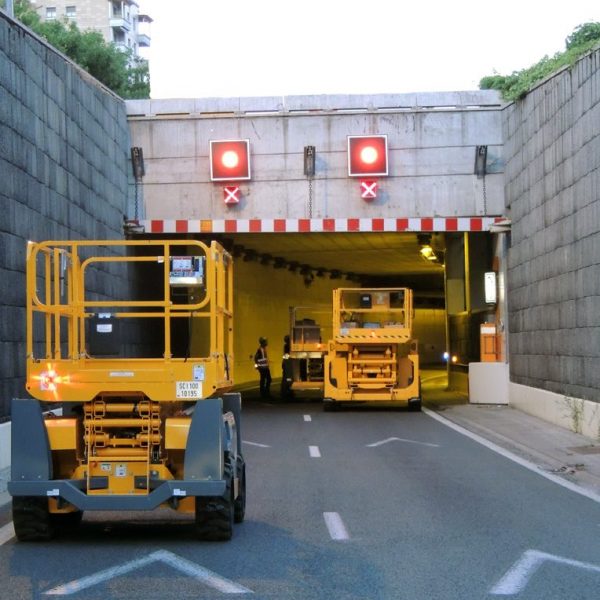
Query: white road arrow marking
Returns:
{"type": "Point", "coordinates": [7, 532]}
{"type": "Point", "coordinates": [518, 576]}
{"type": "Point", "coordinates": [177, 562]}
{"type": "Point", "coordinates": [335, 526]}
{"type": "Point", "coordinates": [255, 444]}
{"type": "Point", "coordinates": [397, 439]}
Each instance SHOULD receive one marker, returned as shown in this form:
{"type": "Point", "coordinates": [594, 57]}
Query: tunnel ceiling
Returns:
{"type": "Point", "coordinates": [376, 258]}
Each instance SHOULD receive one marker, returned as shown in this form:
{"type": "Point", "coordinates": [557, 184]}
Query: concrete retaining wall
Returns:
{"type": "Point", "coordinates": [552, 148]}
{"type": "Point", "coordinates": [575, 414]}
{"type": "Point", "coordinates": [64, 147]}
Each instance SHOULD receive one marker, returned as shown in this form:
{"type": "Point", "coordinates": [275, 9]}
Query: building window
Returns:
{"type": "Point", "coordinates": [50, 13]}
{"type": "Point", "coordinates": [71, 12]}
{"type": "Point", "coordinates": [118, 36]}
{"type": "Point", "coordinates": [117, 10]}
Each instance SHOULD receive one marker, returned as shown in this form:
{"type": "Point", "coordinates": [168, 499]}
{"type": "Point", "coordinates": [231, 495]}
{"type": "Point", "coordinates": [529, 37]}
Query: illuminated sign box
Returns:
{"type": "Point", "coordinates": [229, 160]}
{"type": "Point", "coordinates": [367, 155]}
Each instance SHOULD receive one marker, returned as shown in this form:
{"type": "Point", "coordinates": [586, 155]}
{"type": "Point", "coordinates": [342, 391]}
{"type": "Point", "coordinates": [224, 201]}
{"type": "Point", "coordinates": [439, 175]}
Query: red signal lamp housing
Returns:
{"type": "Point", "coordinates": [229, 160]}
{"type": "Point", "coordinates": [367, 155]}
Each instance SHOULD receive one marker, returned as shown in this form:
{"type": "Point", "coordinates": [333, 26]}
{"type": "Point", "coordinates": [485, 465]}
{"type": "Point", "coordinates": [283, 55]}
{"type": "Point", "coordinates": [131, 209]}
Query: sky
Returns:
{"type": "Point", "coordinates": [230, 48]}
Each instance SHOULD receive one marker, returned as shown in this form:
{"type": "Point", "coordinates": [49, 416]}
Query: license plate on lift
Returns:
{"type": "Point", "coordinates": [188, 389]}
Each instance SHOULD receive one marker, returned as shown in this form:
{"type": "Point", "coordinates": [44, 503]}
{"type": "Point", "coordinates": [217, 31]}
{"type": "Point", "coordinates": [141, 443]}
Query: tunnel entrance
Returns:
{"type": "Point", "coordinates": [275, 272]}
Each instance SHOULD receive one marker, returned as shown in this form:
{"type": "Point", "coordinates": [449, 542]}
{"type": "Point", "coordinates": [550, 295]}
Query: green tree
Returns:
{"type": "Point", "coordinates": [517, 84]}
{"type": "Point", "coordinates": [583, 35]}
{"type": "Point", "coordinates": [120, 71]}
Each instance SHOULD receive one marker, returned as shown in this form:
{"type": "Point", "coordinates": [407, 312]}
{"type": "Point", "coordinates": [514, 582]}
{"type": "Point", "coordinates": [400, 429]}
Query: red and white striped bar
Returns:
{"type": "Point", "coordinates": [319, 225]}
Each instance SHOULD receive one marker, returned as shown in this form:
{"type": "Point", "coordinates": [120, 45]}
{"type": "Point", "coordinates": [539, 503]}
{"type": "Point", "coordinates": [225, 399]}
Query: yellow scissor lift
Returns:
{"type": "Point", "coordinates": [133, 342]}
{"type": "Point", "coordinates": [372, 357]}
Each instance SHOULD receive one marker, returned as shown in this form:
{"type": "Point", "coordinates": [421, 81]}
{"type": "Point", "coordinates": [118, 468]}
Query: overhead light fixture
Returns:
{"type": "Point", "coordinates": [428, 253]}
{"type": "Point", "coordinates": [426, 250]}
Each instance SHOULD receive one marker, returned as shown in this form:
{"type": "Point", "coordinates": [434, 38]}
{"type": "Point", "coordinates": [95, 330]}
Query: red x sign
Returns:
{"type": "Point", "coordinates": [368, 190]}
{"type": "Point", "coordinates": [231, 193]}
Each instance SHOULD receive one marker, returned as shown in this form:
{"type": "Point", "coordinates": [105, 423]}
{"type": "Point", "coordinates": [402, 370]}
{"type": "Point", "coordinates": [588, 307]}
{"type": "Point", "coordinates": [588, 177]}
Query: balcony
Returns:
{"type": "Point", "coordinates": [143, 40]}
{"type": "Point", "coordinates": [121, 23]}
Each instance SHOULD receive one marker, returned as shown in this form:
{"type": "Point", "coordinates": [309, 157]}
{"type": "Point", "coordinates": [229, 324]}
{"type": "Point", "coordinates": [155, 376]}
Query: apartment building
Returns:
{"type": "Point", "coordinates": [119, 21]}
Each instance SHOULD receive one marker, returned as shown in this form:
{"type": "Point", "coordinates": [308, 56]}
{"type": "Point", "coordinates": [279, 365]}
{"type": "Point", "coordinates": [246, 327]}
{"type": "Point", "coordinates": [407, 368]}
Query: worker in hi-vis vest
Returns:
{"type": "Point", "coordinates": [261, 362]}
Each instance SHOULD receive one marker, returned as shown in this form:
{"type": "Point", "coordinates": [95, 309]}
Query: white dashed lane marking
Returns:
{"type": "Point", "coordinates": [255, 444]}
{"type": "Point", "coordinates": [314, 451]}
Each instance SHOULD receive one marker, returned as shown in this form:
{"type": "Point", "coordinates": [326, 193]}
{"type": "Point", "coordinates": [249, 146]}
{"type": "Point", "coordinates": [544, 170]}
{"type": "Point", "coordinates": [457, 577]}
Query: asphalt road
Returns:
{"type": "Point", "coordinates": [358, 504]}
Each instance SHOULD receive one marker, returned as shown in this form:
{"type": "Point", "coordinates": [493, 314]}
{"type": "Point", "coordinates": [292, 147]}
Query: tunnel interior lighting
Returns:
{"type": "Point", "coordinates": [426, 249]}
{"type": "Point", "coordinates": [308, 272]}
{"type": "Point", "coordinates": [428, 253]}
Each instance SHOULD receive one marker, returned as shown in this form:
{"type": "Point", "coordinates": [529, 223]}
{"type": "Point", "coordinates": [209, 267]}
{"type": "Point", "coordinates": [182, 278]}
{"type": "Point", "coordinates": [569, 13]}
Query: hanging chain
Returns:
{"type": "Point", "coordinates": [484, 196]}
{"type": "Point", "coordinates": [136, 205]}
{"type": "Point", "coordinates": [310, 197]}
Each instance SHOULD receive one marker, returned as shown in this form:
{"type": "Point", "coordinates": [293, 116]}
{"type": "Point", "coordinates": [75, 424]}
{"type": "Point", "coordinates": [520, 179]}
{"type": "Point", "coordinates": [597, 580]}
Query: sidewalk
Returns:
{"type": "Point", "coordinates": [552, 449]}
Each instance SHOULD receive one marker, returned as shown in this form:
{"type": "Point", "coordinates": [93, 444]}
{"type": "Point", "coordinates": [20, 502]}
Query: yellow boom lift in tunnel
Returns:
{"type": "Point", "coordinates": [132, 341]}
{"type": "Point", "coordinates": [372, 357]}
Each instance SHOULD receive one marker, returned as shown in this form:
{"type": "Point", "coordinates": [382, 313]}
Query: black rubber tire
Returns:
{"type": "Point", "coordinates": [214, 514]}
{"type": "Point", "coordinates": [239, 504]}
{"type": "Point", "coordinates": [330, 406]}
{"type": "Point", "coordinates": [32, 519]}
{"type": "Point", "coordinates": [415, 406]}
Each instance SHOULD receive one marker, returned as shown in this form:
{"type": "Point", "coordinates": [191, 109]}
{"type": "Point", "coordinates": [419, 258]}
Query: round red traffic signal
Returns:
{"type": "Point", "coordinates": [229, 160]}
{"type": "Point", "coordinates": [367, 155]}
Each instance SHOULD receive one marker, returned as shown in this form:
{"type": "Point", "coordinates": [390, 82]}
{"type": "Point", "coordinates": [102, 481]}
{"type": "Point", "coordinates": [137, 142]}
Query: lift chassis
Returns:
{"type": "Point", "coordinates": [372, 356]}
{"type": "Point", "coordinates": [302, 365]}
{"type": "Point", "coordinates": [129, 359]}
